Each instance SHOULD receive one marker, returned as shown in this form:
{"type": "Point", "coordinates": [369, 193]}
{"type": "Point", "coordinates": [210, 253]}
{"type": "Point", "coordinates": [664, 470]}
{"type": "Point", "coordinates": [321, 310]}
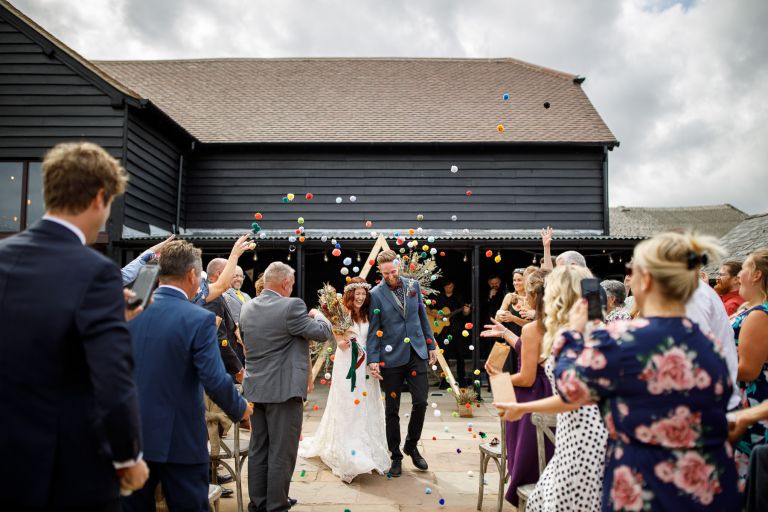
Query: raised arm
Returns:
{"type": "Point", "coordinates": [546, 241]}
{"type": "Point", "coordinates": [224, 282]}
{"type": "Point", "coordinates": [753, 350]}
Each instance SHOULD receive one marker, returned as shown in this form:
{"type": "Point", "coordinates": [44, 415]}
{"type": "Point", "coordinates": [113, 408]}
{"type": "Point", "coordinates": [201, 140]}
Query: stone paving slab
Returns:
{"type": "Point", "coordinates": [318, 490]}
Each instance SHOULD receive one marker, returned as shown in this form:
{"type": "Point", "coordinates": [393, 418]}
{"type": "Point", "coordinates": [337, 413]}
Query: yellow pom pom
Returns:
{"type": "Point", "coordinates": [465, 333]}
{"type": "Point", "coordinates": [224, 343]}
{"type": "Point", "coordinates": [476, 372]}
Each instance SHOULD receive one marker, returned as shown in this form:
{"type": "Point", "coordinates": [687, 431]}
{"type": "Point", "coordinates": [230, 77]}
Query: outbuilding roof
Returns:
{"type": "Point", "coordinates": [715, 220]}
{"type": "Point", "coordinates": [367, 100]}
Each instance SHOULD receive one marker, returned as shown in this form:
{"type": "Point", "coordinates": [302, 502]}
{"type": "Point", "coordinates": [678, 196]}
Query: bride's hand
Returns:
{"type": "Point", "coordinates": [342, 342]}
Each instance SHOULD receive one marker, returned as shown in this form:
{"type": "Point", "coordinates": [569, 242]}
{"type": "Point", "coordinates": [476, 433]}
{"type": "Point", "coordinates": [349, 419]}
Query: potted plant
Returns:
{"type": "Point", "coordinates": [466, 398]}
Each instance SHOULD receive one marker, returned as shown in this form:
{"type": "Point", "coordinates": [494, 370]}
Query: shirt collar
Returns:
{"type": "Point", "coordinates": [76, 230]}
{"type": "Point", "coordinates": [173, 288]}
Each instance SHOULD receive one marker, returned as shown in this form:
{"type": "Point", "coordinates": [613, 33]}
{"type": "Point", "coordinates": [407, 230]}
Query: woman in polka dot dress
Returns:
{"type": "Point", "coordinates": [573, 479]}
{"type": "Point", "coordinates": [351, 439]}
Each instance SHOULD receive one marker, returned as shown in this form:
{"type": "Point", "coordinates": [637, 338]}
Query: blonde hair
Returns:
{"type": "Point", "coordinates": [759, 259]}
{"type": "Point", "coordinates": [386, 256]}
{"type": "Point", "coordinates": [674, 260]}
{"type": "Point", "coordinates": [258, 286]}
{"type": "Point", "coordinates": [73, 174]}
{"type": "Point", "coordinates": [562, 290]}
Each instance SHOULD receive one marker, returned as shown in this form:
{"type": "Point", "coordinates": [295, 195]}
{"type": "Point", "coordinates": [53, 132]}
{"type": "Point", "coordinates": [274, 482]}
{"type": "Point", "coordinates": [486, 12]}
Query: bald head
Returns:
{"type": "Point", "coordinates": [214, 269]}
{"type": "Point", "coordinates": [571, 258]}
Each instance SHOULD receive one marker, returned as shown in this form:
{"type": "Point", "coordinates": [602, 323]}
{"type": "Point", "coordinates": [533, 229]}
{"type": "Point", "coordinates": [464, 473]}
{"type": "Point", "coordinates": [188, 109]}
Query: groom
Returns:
{"type": "Point", "coordinates": [399, 344]}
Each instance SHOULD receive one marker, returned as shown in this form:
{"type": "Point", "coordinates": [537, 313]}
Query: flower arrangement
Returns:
{"type": "Point", "coordinates": [466, 398]}
{"type": "Point", "coordinates": [333, 309]}
{"type": "Point", "coordinates": [422, 268]}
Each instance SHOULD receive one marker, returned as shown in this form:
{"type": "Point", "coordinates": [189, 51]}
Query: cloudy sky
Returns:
{"type": "Point", "coordinates": [682, 84]}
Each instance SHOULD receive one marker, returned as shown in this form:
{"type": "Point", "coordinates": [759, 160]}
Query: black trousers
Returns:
{"type": "Point", "coordinates": [415, 375]}
{"type": "Point", "coordinates": [275, 433]}
{"type": "Point", "coordinates": [185, 487]}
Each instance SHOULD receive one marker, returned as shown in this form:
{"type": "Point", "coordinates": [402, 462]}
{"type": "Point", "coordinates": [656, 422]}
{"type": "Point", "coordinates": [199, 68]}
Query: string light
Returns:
{"type": "Point", "coordinates": [325, 257]}
{"type": "Point", "coordinates": [358, 257]}
{"type": "Point", "coordinates": [610, 259]}
{"type": "Point", "coordinates": [465, 258]}
{"type": "Point", "coordinates": [288, 258]}
{"type": "Point", "coordinates": [534, 259]}
{"type": "Point", "coordinates": [255, 256]}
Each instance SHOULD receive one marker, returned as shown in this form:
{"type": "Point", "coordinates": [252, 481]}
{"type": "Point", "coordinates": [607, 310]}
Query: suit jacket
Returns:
{"type": "Point", "coordinates": [397, 325]}
{"type": "Point", "coordinates": [177, 356]}
{"type": "Point", "coordinates": [234, 303]}
{"type": "Point", "coordinates": [276, 331]}
{"type": "Point", "coordinates": [66, 371]}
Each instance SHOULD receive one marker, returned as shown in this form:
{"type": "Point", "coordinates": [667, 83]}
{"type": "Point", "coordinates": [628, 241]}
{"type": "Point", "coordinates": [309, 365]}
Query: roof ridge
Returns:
{"type": "Point", "coordinates": [696, 207]}
{"type": "Point", "coordinates": [489, 60]}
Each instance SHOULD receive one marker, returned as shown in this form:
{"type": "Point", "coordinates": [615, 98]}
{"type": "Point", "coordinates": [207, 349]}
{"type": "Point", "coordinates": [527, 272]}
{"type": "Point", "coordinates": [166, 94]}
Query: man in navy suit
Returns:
{"type": "Point", "coordinates": [71, 418]}
{"type": "Point", "coordinates": [177, 356]}
{"type": "Point", "coordinates": [399, 345]}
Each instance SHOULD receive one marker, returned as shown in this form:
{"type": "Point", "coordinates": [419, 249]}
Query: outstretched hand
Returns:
{"type": "Point", "coordinates": [493, 330]}
{"type": "Point", "coordinates": [375, 371]}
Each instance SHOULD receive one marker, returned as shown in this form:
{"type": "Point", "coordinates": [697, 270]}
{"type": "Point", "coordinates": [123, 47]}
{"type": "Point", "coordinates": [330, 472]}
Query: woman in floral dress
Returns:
{"type": "Point", "coordinates": [662, 387]}
{"type": "Point", "coordinates": [750, 328]}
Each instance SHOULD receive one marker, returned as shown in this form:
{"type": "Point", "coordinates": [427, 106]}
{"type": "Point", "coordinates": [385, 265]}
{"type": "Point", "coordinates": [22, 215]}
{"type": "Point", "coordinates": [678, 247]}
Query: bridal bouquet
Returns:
{"type": "Point", "coordinates": [333, 309]}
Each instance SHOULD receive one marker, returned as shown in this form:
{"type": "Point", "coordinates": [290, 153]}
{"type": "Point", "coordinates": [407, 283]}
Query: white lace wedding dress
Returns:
{"type": "Point", "coordinates": [351, 437]}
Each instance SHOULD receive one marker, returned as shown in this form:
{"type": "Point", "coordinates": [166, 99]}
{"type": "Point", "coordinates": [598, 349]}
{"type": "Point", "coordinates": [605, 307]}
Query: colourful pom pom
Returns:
{"type": "Point", "coordinates": [258, 216]}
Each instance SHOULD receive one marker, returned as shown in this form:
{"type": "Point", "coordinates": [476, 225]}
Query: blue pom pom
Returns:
{"type": "Point", "coordinates": [505, 96]}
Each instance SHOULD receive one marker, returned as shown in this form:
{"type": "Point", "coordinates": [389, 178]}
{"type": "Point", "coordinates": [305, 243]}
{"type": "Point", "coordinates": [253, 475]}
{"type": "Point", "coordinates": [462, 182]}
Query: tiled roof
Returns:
{"type": "Point", "coordinates": [367, 100]}
{"type": "Point", "coordinates": [714, 220]}
{"type": "Point", "coordinates": [749, 235]}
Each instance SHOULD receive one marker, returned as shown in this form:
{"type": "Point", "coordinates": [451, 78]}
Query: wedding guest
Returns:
{"type": "Point", "coordinates": [208, 292]}
{"type": "Point", "coordinates": [616, 309]}
{"type": "Point", "coordinates": [750, 328]}
{"type": "Point", "coordinates": [531, 383]}
{"type": "Point", "coordinates": [276, 329]}
{"type": "Point", "coordinates": [258, 286]}
{"type": "Point", "coordinates": [457, 311]}
{"type": "Point", "coordinates": [515, 313]}
{"type": "Point", "coordinates": [70, 432]}
{"type": "Point", "coordinates": [661, 384]}
{"type": "Point", "coordinates": [229, 344]}
{"type": "Point", "coordinates": [351, 438]}
{"type": "Point", "coordinates": [176, 351]}
{"type": "Point", "coordinates": [728, 282]}
{"type": "Point", "coordinates": [234, 296]}
{"type": "Point", "coordinates": [131, 270]}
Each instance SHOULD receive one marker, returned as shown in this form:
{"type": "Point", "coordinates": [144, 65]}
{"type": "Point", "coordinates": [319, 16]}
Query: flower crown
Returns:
{"type": "Point", "coordinates": [355, 286]}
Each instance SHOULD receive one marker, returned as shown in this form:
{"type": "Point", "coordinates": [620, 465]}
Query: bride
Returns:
{"type": "Point", "coordinates": [351, 437]}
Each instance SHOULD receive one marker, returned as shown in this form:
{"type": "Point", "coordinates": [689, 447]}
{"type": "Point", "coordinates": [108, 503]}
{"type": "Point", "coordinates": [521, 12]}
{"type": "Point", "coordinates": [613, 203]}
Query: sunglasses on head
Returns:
{"type": "Point", "coordinates": [518, 271]}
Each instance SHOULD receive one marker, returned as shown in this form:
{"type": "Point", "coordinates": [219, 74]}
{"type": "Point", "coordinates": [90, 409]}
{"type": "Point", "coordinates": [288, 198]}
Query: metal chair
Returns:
{"type": "Point", "coordinates": [497, 453]}
{"type": "Point", "coordinates": [545, 425]}
{"type": "Point", "coordinates": [231, 449]}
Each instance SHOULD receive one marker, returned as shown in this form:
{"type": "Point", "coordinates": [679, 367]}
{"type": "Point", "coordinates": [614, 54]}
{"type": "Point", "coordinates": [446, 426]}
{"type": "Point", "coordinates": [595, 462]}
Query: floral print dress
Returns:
{"type": "Point", "coordinates": [662, 387]}
{"type": "Point", "coordinates": [752, 393]}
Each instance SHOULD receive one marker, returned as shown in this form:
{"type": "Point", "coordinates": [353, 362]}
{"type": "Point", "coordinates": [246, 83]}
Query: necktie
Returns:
{"type": "Point", "coordinates": [240, 296]}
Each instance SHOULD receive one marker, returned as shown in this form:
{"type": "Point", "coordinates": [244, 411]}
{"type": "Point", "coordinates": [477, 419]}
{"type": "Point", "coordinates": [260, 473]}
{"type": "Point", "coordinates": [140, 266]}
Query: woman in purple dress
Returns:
{"type": "Point", "coordinates": [530, 383]}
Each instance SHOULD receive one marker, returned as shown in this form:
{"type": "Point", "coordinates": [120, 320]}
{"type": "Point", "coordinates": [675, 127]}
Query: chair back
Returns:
{"type": "Point", "coordinates": [545, 426]}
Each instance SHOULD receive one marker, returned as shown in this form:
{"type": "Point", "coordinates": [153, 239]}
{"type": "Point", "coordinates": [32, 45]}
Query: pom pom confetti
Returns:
{"type": "Point", "coordinates": [454, 218]}
{"type": "Point", "coordinates": [454, 169]}
{"type": "Point", "coordinates": [500, 128]}
{"type": "Point", "coordinates": [468, 325]}
{"type": "Point", "coordinates": [488, 253]}
{"type": "Point", "coordinates": [258, 216]}
{"type": "Point", "coordinates": [476, 372]}
{"type": "Point", "coordinates": [290, 197]}
{"type": "Point", "coordinates": [505, 96]}
{"type": "Point", "coordinates": [339, 200]}
{"type": "Point", "coordinates": [437, 413]}
{"type": "Point", "coordinates": [353, 198]}
{"type": "Point", "coordinates": [309, 196]}
{"type": "Point", "coordinates": [300, 220]}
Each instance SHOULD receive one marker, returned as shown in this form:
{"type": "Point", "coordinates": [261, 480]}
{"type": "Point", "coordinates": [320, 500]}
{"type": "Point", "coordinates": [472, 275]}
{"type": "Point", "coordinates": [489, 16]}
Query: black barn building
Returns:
{"type": "Point", "coordinates": [208, 143]}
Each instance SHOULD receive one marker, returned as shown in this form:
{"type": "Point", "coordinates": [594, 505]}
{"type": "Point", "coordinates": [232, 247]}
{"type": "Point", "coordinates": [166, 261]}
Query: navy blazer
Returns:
{"type": "Point", "coordinates": [177, 355]}
{"type": "Point", "coordinates": [66, 371]}
{"type": "Point", "coordinates": [397, 325]}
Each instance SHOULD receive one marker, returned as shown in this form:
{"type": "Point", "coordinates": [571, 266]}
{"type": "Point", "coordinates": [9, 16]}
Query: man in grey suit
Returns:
{"type": "Point", "coordinates": [276, 329]}
{"type": "Point", "coordinates": [235, 297]}
{"type": "Point", "coordinates": [399, 345]}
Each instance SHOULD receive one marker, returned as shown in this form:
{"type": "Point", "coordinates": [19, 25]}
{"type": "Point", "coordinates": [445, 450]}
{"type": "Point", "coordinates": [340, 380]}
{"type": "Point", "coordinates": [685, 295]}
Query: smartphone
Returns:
{"type": "Point", "coordinates": [590, 290]}
{"type": "Point", "coordinates": [502, 389]}
{"type": "Point", "coordinates": [143, 286]}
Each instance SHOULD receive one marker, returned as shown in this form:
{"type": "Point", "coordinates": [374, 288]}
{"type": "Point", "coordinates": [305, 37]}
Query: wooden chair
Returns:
{"type": "Point", "coordinates": [497, 453]}
{"type": "Point", "coordinates": [545, 425]}
{"type": "Point", "coordinates": [214, 493]}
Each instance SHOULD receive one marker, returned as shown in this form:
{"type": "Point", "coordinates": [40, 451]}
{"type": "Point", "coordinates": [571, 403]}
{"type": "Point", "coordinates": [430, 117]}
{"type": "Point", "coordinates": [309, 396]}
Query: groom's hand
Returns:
{"type": "Point", "coordinates": [375, 372]}
{"type": "Point", "coordinates": [432, 357]}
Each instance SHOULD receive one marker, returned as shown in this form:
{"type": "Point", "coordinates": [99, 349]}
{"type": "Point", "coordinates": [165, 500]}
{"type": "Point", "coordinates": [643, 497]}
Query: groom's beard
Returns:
{"type": "Point", "coordinates": [392, 280]}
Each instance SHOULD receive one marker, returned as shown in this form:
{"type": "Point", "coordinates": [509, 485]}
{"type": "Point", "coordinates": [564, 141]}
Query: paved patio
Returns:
{"type": "Point", "coordinates": [448, 478]}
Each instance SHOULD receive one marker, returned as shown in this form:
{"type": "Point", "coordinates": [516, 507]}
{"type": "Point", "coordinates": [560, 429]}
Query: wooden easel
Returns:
{"type": "Point", "coordinates": [382, 245]}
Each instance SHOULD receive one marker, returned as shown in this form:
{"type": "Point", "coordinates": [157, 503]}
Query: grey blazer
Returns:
{"type": "Point", "coordinates": [276, 331]}
{"type": "Point", "coordinates": [234, 303]}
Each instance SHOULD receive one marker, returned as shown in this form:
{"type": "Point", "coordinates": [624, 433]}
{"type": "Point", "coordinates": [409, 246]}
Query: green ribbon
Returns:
{"type": "Point", "coordinates": [352, 373]}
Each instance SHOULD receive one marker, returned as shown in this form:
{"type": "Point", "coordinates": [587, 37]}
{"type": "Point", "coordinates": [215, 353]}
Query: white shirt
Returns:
{"type": "Point", "coordinates": [76, 230]}
{"type": "Point", "coordinates": [706, 309]}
